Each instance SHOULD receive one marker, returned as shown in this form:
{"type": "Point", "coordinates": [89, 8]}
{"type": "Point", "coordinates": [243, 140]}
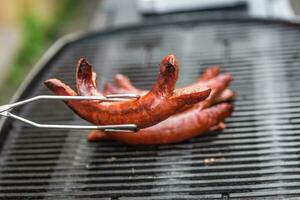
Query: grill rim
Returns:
{"type": "Point", "coordinates": [54, 50]}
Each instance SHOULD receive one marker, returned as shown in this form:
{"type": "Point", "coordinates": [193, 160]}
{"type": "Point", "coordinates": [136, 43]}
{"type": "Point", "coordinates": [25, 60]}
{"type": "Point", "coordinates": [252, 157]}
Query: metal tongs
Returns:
{"type": "Point", "coordinates": [4, 111]}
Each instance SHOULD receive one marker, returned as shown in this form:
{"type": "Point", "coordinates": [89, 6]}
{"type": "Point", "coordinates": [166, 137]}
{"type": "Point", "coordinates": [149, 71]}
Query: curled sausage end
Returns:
{"type": "Point", "coordinates": [86, 79]}
{"type": "Point", "coordinates": [59, 88]}
{"type": "Point", "coordinates": [209, 73]}
{"type": "Point", "coordinates": [84, 70]}
{"type": "Point", "coordinates": [191, 95]}
{"type": "Point", "coordinates": [226, 95]}
{"type": "Point", "coordinates": [169, 66]}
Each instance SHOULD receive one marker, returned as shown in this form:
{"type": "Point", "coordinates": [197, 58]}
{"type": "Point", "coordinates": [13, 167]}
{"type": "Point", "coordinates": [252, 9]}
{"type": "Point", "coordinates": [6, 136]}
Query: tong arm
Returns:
{"type": "Point", "coordinates": [4, 111]}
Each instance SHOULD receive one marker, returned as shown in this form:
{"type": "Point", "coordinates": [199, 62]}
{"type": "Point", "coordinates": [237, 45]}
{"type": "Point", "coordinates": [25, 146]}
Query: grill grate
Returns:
{"type": "Point", "coordinates": [258, 152]}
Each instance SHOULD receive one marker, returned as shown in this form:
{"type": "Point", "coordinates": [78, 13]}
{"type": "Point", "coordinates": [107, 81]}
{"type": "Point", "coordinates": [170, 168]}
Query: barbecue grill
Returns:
{"type": "Point", "coordinates": [255, 157]}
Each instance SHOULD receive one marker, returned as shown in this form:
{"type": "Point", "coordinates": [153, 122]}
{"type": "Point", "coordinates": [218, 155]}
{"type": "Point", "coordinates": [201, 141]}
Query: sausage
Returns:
{"type": "Point", "coordinates": [226, 95]}
{"type": "Point", "coordinates": [122, 84]}
{"type": "Point", "coordinates": [162, 101]}
{"type": "Point", "coordinates": [209, 73]}
{"type": "Point", "coordinates": [218, 84]}
{"type": "Point", "coordinates": [178, 128]}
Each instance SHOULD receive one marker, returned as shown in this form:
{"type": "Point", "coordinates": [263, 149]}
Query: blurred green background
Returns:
{"type": "Point", "coordinates": [28, 28]}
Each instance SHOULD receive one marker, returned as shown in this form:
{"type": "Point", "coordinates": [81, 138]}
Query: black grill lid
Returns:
{"type": "Point", "coordinates": [258, 152]}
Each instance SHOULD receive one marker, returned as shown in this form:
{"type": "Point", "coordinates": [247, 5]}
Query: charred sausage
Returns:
{"type": "Point", "coordinates": [182, 126]}
{"type": "Point", "coordinates": [162, 101]}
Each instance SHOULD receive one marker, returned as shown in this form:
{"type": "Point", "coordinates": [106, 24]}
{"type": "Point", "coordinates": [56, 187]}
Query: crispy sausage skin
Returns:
{"type": "Point", "coordinates": [180, 127]}
{"type": "Point", "coordinates": [162, 101]}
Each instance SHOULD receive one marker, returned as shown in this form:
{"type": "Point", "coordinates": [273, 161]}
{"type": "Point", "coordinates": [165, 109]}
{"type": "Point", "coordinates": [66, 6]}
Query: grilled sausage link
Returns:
{"type": "Point", "coordinates": [162, 101]}
{"type": "Point", "coordinates": [122, 84]}
{"type": "Point", "coordinates": [177, 128]}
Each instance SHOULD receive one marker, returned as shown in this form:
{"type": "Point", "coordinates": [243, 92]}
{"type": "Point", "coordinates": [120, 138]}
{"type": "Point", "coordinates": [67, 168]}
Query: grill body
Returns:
{"type": "Point", "coordinates": [257, 154]}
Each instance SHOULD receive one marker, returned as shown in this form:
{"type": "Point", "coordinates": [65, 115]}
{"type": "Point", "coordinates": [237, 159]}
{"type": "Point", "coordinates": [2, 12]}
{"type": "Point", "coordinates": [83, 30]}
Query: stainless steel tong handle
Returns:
{"type": "Point", "coordinates": [4, 111]}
